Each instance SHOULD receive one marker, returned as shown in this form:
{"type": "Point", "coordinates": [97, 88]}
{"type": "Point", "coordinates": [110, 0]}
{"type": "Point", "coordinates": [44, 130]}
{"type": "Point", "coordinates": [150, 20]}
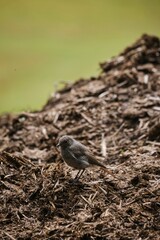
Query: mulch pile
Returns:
{"type": "Point", "coordinates": [116, 114]}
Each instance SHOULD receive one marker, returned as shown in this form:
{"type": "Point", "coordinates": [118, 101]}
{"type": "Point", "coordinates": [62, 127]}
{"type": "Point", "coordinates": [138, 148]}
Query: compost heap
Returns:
{"type": "Point", "coordinates": [117, 115]}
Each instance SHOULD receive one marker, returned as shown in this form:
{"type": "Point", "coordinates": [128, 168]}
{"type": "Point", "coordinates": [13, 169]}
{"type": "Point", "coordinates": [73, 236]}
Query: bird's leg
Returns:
{"type": "Point", "coordinates": [76, 177]}
{"type": "Point", "coordinates": [79, 175]}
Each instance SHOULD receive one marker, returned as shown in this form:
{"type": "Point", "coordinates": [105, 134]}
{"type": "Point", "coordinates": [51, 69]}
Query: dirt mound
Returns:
{"type": "Point", "coordinates": [117, 114]}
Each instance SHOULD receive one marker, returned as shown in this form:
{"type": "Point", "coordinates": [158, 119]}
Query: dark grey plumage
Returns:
{"type": "Point", "coordinates": [77, 155]}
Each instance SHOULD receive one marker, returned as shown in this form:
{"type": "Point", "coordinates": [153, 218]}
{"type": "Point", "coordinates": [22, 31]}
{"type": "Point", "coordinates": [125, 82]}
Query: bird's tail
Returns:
{"type": "Point", "coordinates": [93, 161]}
{"type": "Point", "coordinates": [105, 168]}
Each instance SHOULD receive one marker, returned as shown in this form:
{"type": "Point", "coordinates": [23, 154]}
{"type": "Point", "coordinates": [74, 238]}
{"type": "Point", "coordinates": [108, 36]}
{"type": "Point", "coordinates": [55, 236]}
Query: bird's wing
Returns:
{"type": "Point", "coordinates": [81, 152]}
{"type": "Point", "coordinates": [73, 155]}
{"type": "Point", "coordinates": [78, 150]}
{"type": "Point", "coordinates": [77, 153]}
{"type": "Point", "coordinates": [92, 160]}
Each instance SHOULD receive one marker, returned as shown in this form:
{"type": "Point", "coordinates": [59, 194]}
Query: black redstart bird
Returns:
{"type": "Point", "coordinates": [77, 155]}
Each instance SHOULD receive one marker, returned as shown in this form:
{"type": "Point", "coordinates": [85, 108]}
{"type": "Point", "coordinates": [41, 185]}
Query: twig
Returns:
{"type": "Point", "coordinates": [103, 94]}
{"type": "Point", "coordinates": [142, 136]}
{"type": "Point", "coordinates": [154, 143]}
{"type": "Point", "coordinates": [87, 119]}
{"type": "Point", "coordinates": [94, 195]}
{"type": "Point", "coordinates": [156, 108]}
{"type": "Point", "coordinates": [52, 204]}
{"type": "Point", "coordinates": [129, 203]}
{"type": "Point", "coordinates": [56, 118]}
{"type": "Point", "coordinates": [8, 235]}
{"type": "Point", "coordinates": [86, 201]}
{"type": "Point", "coordinates": [154, 98]}
{"type": "Point", "coordinates": [119, 129]}
{"type": "Point", "coordinates": [120, 204]}
{"type": "Point", "coordinates": [103, 146]}
{"type": "Point", "coordinates": [104, 191]}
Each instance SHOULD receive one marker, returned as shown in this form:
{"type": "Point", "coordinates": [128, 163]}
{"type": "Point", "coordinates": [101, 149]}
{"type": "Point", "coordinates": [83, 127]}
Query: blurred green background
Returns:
{"type": "Point", "coordinates": [46, 43]}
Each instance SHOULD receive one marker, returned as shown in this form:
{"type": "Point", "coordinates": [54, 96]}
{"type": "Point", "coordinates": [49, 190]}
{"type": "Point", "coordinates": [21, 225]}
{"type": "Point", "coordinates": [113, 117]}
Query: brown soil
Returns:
{"type": "Point", "coordinates": [116, 114]}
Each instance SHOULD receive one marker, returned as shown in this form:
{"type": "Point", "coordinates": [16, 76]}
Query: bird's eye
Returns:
{"type": "Point", "coordinates": [64, 141]}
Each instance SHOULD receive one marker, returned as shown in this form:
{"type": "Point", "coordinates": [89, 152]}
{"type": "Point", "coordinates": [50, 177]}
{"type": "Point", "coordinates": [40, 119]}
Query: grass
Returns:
{"type": "Point", "coordinates": [44, 43]}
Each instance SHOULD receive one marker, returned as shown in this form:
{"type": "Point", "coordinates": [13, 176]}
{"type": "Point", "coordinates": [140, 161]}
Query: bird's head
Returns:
{"type": "Point", "coordinates": [65, 141]}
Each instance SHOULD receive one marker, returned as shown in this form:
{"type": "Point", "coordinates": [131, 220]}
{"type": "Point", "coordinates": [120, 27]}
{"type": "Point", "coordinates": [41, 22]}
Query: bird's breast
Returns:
{"type": "Point", "coordinates": [72, 161]}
